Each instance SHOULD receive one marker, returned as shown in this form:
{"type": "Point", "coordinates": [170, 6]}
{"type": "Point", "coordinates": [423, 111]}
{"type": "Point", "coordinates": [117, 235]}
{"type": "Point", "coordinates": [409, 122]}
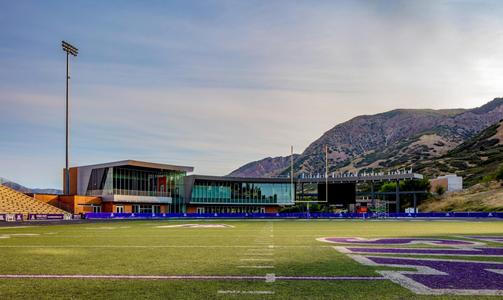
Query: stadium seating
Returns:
{"type": "Point", "coordinates": [14, 202]}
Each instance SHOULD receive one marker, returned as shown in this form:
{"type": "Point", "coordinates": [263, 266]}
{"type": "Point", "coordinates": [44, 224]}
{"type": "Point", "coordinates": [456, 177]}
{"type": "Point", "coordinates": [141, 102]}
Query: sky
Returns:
{"type": "Point", "coordinates": [217, 84]}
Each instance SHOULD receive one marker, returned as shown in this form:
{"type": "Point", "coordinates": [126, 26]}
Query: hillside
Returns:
{"type": "Point", "coordinates": [473, 159]}
{"type": "Point", "coordinates": [479, 197]}
{"type": "Point", "coordinates": [266, 167]}
{"type": "Point", "coordinates": [390, 139]}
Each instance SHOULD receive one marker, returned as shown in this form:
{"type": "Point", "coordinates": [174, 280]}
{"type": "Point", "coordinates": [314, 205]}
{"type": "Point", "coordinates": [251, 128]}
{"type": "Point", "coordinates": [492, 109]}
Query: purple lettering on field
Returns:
{"type": "Point", "coordinates": [398, 241]}
{"type": "Point", "coordinates": [423, 251]}
{"type": "Point", "coordinates": [441, 276]}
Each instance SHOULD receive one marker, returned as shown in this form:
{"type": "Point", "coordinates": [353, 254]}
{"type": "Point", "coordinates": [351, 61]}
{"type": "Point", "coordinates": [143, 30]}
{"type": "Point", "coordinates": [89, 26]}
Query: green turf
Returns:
{"type": "Point", "coordinates": [140, 248]}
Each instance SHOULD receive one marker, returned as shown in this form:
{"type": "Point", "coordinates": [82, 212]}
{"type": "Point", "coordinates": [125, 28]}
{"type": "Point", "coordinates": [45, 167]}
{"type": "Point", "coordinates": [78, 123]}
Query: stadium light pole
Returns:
{"type": "Point", "coordinates": [70, 50]}
{"type": "Point", "coordinates": [291, 173]}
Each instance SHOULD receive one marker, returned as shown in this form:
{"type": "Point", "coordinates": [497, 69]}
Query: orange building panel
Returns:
{"type": "Point", "coordinates": [47, 198]}
{"type": "Point", "coordinates": [73, 181]}
{"type": "Point", "coordinates": [271, 209]}
{"type": "Point", "coordinates": [435, 183]}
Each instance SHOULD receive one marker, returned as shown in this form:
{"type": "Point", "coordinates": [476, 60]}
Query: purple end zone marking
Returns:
{"type": "Point", "coordinates": [432, 276]}
{"type": "Point", "coordinates": [471, 251]}
{"type": "Point", "coordinates": [398, 241]}
{"type": "Point", "coordinates": [495, 238]}
{"type": "Point", "coordinates": [458, 275]}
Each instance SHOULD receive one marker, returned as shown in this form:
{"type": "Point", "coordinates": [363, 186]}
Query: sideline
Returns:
{"type": "Point", "coordinates": [192, 277]}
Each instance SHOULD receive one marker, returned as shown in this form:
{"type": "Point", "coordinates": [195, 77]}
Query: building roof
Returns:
{"type": "Point", "coordinates": [336, 179]}
{"type": "Point", "coordinates": [137, 163]}
{"type": "Point", "coordinates": [240, 179]}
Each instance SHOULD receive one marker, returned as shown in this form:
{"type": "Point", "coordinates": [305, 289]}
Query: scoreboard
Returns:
{"type": "Point", "coordinates": [338, 193]}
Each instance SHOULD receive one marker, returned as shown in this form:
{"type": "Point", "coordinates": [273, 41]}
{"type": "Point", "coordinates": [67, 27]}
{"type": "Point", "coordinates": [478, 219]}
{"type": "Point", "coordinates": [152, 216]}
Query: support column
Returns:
{"type": "Point", "coordinates": [372, 194]}
{"type": "Point", "coordinates": [415, 203]}
{"type": "Point", "coordinates": [302, 191]}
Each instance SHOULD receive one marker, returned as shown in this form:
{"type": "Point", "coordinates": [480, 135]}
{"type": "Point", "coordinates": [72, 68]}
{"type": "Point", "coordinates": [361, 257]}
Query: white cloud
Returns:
{"type": "Point", "coordinates": [220, 86]}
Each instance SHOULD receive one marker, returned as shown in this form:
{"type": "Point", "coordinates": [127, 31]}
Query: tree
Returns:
{"type": "Point", "coordinates": [388, 187]}
{"type": "Point", "coordinates": [499, 173]}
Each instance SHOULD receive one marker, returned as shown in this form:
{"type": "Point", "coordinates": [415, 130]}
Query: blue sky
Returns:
{"type": "Point", "coordinates": [216, 84]}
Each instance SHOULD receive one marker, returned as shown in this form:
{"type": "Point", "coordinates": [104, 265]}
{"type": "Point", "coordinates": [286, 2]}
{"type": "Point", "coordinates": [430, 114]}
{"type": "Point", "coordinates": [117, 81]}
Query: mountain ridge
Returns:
{"type": "Point", "coordinates": [21, 188]}
{"type": "Point", "coordinates": [386, 140]}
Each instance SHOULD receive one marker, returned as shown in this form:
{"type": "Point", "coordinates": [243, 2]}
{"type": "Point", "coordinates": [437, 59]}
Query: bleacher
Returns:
{"type": "Point", "coordinates": [14, 202]}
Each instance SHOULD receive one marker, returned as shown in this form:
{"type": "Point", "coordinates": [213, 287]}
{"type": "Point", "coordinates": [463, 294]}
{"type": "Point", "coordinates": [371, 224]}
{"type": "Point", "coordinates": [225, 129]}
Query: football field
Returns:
{"type": "Point", "coordinates": [253, 259]}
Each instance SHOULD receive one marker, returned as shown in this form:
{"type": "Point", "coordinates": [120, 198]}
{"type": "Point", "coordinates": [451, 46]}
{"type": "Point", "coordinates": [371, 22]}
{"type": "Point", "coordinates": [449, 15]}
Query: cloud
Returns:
{"type": "Point", "coordinates": [218, 84]}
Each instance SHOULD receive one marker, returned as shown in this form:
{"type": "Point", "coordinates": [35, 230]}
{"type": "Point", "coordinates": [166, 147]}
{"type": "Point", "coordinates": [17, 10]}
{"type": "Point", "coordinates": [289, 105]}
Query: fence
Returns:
{"type": "Point", "coordinates": [443, 215]}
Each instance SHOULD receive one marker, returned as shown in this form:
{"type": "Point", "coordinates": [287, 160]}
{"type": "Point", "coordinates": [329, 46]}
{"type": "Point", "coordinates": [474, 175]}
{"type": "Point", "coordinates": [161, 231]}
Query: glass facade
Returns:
{"type": "Point", "coordinates": [137, 181]}
{"type": "Point", "coordinates": [147, 182]}
{"type": "Point", "coordinates": [232, 192]}
{"type": "Point", "coordinates": [220, 209]}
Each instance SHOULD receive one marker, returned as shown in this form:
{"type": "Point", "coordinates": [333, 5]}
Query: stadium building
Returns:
{"type": "Point", "coordinates": [142, 187]}
{"type": "Point", "coordinates": [132, 186]}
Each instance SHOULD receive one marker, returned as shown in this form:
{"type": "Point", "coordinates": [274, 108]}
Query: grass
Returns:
{"type": "Point", "coordinates": [141, 248]}
{"type": "Point", "coordinates": [486, 197]}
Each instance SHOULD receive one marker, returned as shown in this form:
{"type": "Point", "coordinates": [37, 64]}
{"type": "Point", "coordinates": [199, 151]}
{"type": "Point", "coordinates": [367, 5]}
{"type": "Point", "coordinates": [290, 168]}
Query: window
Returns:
{"type": "Point", "coordinates": [96, 208]}
{"type": "Point", "coordinates": [143, 209]}
{"type": "Point", "coordinates": [119, 209]}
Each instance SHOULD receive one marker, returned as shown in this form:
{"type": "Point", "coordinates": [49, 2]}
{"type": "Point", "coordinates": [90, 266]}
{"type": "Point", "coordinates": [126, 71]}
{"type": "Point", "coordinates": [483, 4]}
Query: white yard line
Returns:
{"type": "Point", "coordinates": [156, 246]}
{"type": "Point", "coordinates": [255, 267]}
{"type": "Point", "coordinates": [189, 277]}
{"type": "Point", "coordinates": [245, 292]}
{"type": "Point", "coordinates": [271, 277]}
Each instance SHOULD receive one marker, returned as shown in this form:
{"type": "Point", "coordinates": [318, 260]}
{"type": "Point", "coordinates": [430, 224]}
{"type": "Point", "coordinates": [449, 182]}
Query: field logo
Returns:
{"type": "Point", "coordinates": [431, 276]}
{"type": "Point", "coordinates": [399, 241]}
{"type": "Point", "coordinates": [476, 252]}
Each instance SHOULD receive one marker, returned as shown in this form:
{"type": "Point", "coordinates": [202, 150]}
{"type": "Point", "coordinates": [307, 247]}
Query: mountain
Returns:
{"type": "Point", "coordinates": [23, 189]}
{"type": "Point", "coordinates": [266, 167]}
{"type": "Point", "coordinates": [386, 140]}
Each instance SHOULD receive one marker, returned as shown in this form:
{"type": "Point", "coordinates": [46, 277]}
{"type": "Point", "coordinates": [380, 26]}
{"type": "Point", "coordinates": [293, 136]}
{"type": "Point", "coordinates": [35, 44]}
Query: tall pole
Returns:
{"type": "Point", "coordinates": [69, 49]}
{"type": "Point", "coordinates": [326, 173]}
{"type": "Point", "coordinates": [67, 171]}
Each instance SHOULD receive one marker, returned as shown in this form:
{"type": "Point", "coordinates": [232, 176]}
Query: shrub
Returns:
{"type": "Point", "coordinates": [440, 190]}
{"type": "Point", "coordinates": [487, 179]}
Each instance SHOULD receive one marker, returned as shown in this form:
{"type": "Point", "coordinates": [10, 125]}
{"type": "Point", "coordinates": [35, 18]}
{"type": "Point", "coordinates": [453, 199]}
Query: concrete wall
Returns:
{"type": "Point", "coordinates": [450, 182]}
